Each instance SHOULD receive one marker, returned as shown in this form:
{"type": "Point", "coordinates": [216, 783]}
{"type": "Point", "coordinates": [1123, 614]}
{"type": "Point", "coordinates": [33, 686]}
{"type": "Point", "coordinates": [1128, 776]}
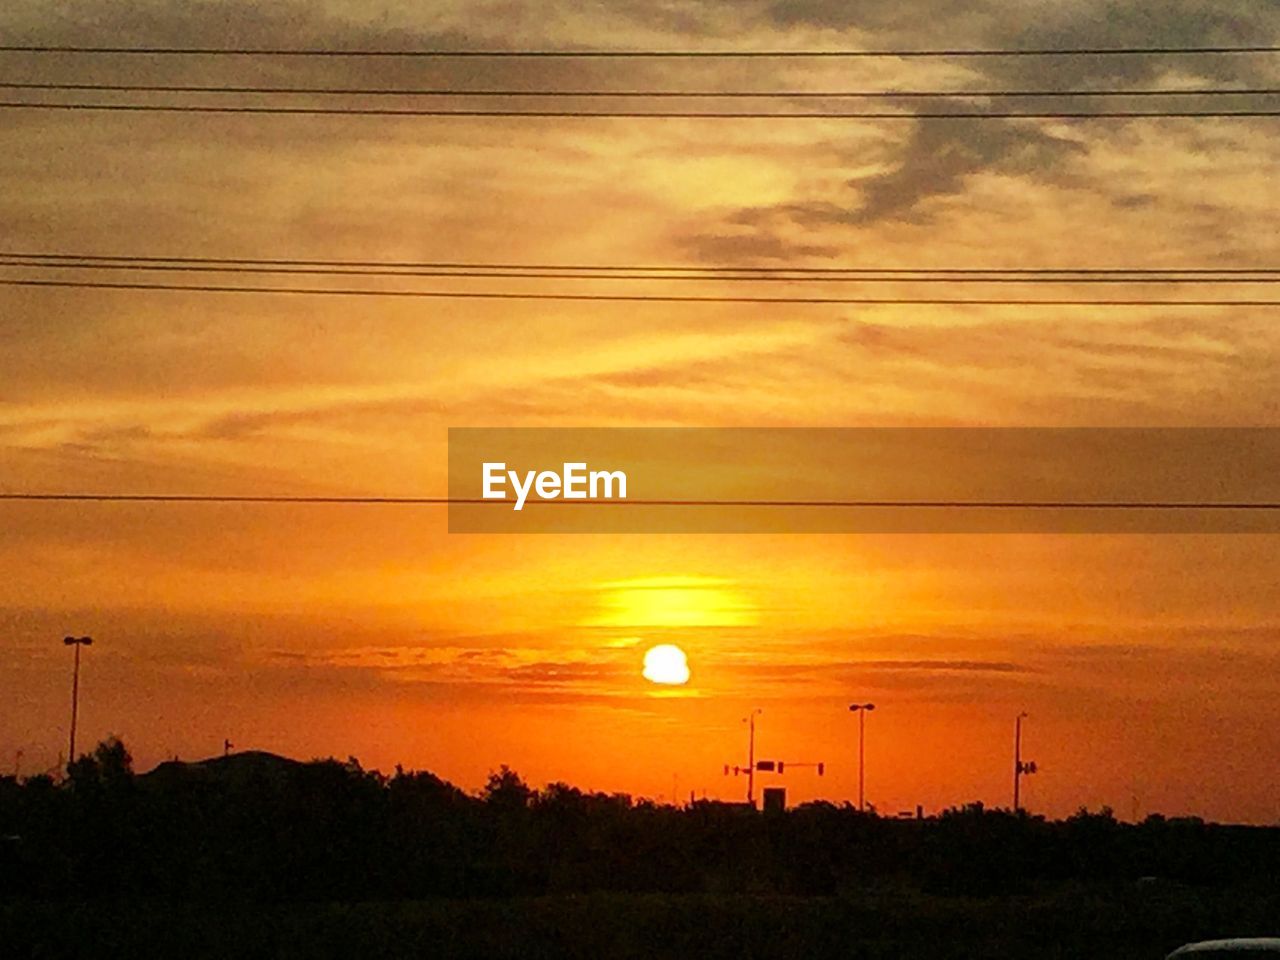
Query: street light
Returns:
{"type": "Point", "coordinates": [750, 720]}
{"type": "Point", "coordinates": [862, 709]}
{"type": "Point", "coordinates": [76, 642]}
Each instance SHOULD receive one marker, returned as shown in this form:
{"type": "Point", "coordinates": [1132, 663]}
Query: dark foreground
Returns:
{"type": "Point", "coordinates": [253, 855]}
{"type": "Point", "coordinates": [1134, 923]}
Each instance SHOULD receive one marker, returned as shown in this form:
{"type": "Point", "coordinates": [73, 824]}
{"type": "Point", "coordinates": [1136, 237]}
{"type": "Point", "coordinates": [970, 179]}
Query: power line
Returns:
{"type": "Point", "coordinates": [646, 94]}
{"type": "Point", "coordinates": [634, 298]}
{"type": "Point", "coordinates": [673, 268]}
{"type": "Point", "coordinates": [217, 498]}
{"type": "Point", "coordinates": [637, 115]}
{"type": "Point", "coordinates": [642, 54]}
{"type": "Point", "coordinates": [975, 277]}
{"type": "Point", "coordinates": [828, 504]}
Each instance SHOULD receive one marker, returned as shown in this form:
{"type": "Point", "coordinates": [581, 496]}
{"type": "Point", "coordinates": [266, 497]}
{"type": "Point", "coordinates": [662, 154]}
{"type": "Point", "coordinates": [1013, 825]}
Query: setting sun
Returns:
{"type": "Point", "coordinates": [666, 663]}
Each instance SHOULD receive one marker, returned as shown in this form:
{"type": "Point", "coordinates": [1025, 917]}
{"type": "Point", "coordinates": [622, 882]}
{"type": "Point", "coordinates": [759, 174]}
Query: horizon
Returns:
{"type": "Point", "coordinates": [678, 802]}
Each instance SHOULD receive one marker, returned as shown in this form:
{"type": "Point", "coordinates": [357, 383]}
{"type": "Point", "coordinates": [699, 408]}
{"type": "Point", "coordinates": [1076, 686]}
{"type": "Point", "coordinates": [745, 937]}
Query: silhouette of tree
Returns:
{"type": "Point", "coordinates": [506, 791]}
{"type": "Point", "coordinates": [109, 767]}
{"type": "Point", "coordinates": [264, 828]}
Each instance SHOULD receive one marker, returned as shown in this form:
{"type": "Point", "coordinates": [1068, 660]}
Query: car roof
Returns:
{"type": "Point", "coordinates": [1208, 948]}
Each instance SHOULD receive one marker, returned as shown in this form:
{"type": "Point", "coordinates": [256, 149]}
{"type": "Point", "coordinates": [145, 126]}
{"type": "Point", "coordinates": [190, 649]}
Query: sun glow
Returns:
{"type": "Point", "coordinates": [674, 602]}
{"type": "Point", "coordinates": [667, 664]}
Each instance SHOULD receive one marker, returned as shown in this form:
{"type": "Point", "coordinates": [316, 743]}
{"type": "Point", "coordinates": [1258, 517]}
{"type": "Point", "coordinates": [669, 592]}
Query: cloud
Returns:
{"type": "Point", "coordinates": [567, 673]}
{"type": "Point", "coordinates": [939, 157]}
{"type": "Point", "coordinates": [1108, 23]}
{"type": "Point", "coordinates": [935, 159]}
{"type": "Point", "coordinates": [873, 18]}
{"type": "Point", "coordinates": [454, 664]}
{"type": "Point", "coordinates": [991, 666]}
{"type": "Point", "coordinates": [846, 668]}
{"type": "Point", "coordinates": [751, 247]}
{"type": "Point", "coordinates": [1080, 24]}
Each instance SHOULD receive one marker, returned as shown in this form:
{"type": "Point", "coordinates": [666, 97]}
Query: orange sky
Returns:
{"type": "Point", "coordinates": [1149, 664]}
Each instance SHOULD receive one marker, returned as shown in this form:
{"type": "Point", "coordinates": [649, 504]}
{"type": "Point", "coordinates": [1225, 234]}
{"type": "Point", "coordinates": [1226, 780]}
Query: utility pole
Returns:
{"type": "Point", "coordinates": [862, 709]}
{"type": "Point", "coordinates": [751, 755]}
{"type": "Point", "coordinates": [1020, 769]}
{"type": "Point", "coordinates": [76, 642]}
{"type": "Point", "coordinates": [753, 765]}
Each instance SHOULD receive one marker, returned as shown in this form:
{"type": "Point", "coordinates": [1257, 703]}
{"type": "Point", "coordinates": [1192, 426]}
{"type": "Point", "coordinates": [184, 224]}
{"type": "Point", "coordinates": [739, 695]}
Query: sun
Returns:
{"type": "Point", "coordinates": [666, 663]}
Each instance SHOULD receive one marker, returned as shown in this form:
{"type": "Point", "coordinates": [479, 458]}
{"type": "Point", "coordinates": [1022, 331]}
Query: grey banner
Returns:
{"type": "Point", "coordinates": [871, 480]}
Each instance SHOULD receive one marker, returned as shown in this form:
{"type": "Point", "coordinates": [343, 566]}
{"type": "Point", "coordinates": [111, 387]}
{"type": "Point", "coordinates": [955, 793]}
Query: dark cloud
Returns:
{"type": "Point", "coordinates": [752, 247]}
{"type": "Point", "coordinates": [937, 679]}
{"type": "Point", "coordinates": [991, 666]}
{"type": "Point", "coordinates": [301, 24]}
{"type": "Point", "coordinates": [1108, 23]}
{"type": "Point", "coordinates": [1085, 24]}
{"type": "Point", "coordinates": [889, 23]}
{"type": "Point", "coordinates": [935, 161]}
{"type": "Point", "coordinates": [566, 672]}
{"type": "Point", "coordinates": [844, 668]}
{"type": "Point", "coordinates": [940, 156]}
{"type": "Point", "coordinates": [214, 23]}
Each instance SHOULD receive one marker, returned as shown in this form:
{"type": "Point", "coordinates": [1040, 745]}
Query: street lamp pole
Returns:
{"type": "Point", "coordinates": [1020, 769]}
{"type": "Point", "coordinates": [861, 709]}
{"type": "Point", "coordinates": [751, 755]}
{"type": "Point", "coordinates": [76, 642]}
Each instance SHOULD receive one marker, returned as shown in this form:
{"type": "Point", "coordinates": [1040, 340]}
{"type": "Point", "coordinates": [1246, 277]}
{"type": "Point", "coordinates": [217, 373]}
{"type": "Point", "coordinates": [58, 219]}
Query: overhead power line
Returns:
{"type": "Point", "coordinates": [107, 259]}
{"type": "Point", "coordinates": [709, 275]}
{"type": "Point", "coordinates": [888, 94]}
{"type": "Point", "coordinates": [957, 52]}
{"type": "Point", "coordinates": [828, 504]}
{"type": "Point", "coordinates": [635, 298]}
{"type": "Point", "coordinates": [638, 114]}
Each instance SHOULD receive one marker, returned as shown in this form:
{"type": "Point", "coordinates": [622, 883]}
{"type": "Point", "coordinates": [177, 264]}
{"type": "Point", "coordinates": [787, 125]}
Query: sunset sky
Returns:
{"type": "Point", "coordinates": [1149, 665]}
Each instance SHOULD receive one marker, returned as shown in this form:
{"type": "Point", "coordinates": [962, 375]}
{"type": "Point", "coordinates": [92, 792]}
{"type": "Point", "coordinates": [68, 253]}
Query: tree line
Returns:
{"type": "Point", "coordinates": [261, 827]}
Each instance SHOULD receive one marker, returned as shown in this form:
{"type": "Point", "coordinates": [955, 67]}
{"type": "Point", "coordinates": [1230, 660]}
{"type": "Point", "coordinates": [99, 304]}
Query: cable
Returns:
{"type": "Point", "coordinates": [634, 298]}
{"type": "Point", "coordinates": [469, 265]}
{"type": "Point", "coordinates": [214, 498]}
{"type": "Point", "coordinates": [981, 277]}
{"type": "Point", "coordinates": [828, 504]}
{"type": "Point", "coordinates": [641, 54]}
{"type": "Point", "coordinates": [636, 115]}
{"type": "Point", "coordinates": [649, 94]}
